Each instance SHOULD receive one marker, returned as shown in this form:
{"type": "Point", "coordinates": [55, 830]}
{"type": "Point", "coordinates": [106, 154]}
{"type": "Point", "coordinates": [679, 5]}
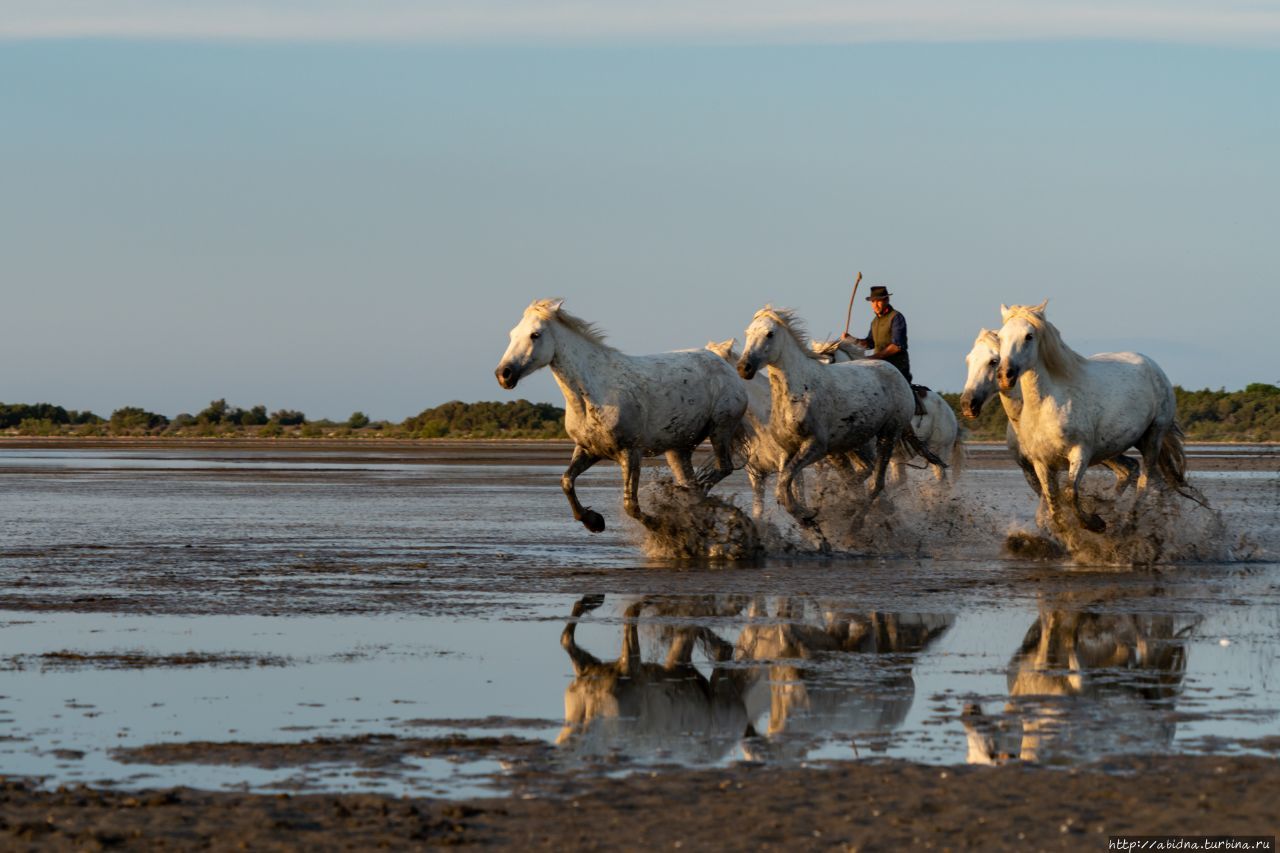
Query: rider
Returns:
{"type": "Point", "coordinates": [888, 334]}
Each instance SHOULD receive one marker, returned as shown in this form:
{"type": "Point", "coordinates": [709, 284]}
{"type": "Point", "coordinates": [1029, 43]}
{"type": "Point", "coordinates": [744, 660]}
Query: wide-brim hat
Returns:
{"type": "Point", "coordinates": [879, 292]}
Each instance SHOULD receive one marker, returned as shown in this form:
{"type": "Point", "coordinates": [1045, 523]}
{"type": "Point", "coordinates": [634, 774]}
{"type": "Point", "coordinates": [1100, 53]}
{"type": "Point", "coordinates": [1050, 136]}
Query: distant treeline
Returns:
{"type": "Point", "coordinates": [516, 419]}
{"type": "Point", "coordinates": [1249, 415]}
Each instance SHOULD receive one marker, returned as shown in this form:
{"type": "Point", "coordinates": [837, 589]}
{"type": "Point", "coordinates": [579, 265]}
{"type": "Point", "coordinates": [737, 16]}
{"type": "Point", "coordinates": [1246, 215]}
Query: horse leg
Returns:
{"type": "Point", "coordinates": [580, 657]}
{"type": "Point", "coordinates": [681, 464]}
{"type": "Point", "coordinates": [757, 479]}
{"type": "Point", "coordinates": [811, 451]}
{"type": "Point", "coordinates": [630, 461]}
{"type": "Point", "coordinates": [722, 463]}
{"type": "Point", "coordinates": [1047, 483]}
{"type": "Point", "coordinates": [1126, 471]}
{"type": "Point", "coordinates": [885, 444]}
{"type": "Point", "coordinates": [581, 461]}
{"type": "Point", "coordinates": [629, 658]}
{"type": "Point", "coordinates": [1077, 466]}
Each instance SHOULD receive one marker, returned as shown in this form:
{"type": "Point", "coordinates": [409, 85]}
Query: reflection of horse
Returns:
{"type": "Point", "coordinates": [936, 428]}
{"type": "Point", "coordinates": [1117, 673]}
{"type": "Point", "coordinates": [653, 707]}
{"type": "Point", "coordinates": [623, 407]}
{"type": "Point", "coordinates": [1078, 411]}
{"type": "Point", "coordinates": [981, 384]}
{"type": "Point", "coordinates": [819, 411]}
{"type": "Point", "coordinates": [792, 656]}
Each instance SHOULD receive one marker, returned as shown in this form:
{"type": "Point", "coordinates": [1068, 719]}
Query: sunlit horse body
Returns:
{"type": "Point", "coordinates": [1079, 411]}
{"type": "Point", "coordinates": [624, 407]}
{"type": "Point", "coordinates": [937, 428]}
{"type": "Point", "coordinates": [982, 384]}
{"type": "Point", "coordinates": [819, 410]}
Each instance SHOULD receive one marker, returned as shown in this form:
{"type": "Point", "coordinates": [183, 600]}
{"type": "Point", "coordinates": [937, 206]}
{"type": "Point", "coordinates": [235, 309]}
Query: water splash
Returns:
{"type": "Point", "coordinates": [683, 524]}
{"type": "Point", "coordinates": [1162, 527]}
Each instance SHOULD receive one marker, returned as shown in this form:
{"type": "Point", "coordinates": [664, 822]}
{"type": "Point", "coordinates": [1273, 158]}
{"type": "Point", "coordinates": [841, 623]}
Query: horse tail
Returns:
{"type": "Point", "coordinates": [958, 455]}
{"type": "Point", "coordinates": [1172, 459]}
{"type": "Point", "coordinates": [913, 444]}
{"type": "Point", "coordinates": [1172, 462]}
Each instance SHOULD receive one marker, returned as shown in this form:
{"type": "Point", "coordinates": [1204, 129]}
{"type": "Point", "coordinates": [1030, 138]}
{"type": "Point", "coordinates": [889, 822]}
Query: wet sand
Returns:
{"type": "Point", "coordinates": [878, 804]}
{"type": "Point", "coordinates": [856, 806]}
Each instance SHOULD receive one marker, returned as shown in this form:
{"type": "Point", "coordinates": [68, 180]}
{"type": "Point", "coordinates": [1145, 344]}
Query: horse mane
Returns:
{"type": "Point", "coordinates": [827, 350]}
{"type": "Point", "coordinates": [787, 318]}
{"type": "Point", "coordinates": [1060, 360]}
{"type": "Point", "coordinates": [551, 309]}
{"type": "Point", "coordinates": [988, 336]}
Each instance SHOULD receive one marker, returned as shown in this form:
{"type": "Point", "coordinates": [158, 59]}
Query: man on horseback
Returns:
{"type": "Point", "coordinates": [888, 334]}
{"type": "Point", "coordinates": [888, 337]}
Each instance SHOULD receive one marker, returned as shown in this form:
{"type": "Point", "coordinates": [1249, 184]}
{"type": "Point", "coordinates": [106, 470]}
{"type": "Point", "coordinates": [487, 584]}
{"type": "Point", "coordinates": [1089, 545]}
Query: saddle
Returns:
{"type": "Point", "coordinates": [921, 392]}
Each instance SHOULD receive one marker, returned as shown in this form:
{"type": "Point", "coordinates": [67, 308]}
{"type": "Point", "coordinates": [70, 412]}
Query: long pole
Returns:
{"type": "Point", "coordinates": [849, 314]}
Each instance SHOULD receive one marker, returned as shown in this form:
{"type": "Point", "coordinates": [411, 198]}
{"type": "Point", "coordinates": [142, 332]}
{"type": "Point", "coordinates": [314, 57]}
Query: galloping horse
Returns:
{"type": "Point", "coordinates": [936, 428]}
{"type": "Point", "coordinates": [1079, 411]}
{"type": "Point", "coordinates": [981, 385]}
{"type": "Point", "coordinates": [825, 410]}
{"type": "Point", "coordinates": [623, 407]}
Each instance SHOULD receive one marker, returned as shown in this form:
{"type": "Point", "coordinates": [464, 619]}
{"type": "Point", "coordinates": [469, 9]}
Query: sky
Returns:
{"type": "Point", "coordinates": [339, 206]}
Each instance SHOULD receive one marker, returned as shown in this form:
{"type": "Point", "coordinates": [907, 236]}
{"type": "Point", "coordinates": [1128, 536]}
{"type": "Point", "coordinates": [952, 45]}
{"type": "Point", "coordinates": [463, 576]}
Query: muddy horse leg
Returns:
{"type": "Point", "coordinates": [811, 451]}
{"type": "Point", "coordinates": [721, 465]}
{"type": "Point", "coordinates": [1077, 466]}
{"type": "Point", "coordinates": [1126, 471]}
{"type": "Point", "coordinates": [630, 461]}
{"type": "Point", "coordinates": [681, 464]}
{"type": "Point", "coordinates": [581, 461]}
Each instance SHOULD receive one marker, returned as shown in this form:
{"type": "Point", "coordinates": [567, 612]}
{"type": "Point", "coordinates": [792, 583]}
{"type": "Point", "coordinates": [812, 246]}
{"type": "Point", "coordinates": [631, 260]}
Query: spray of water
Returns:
{"type": "Point", "coordinates": [1163, 527]}
{"type": "Point", "coordinates": [683, 524]}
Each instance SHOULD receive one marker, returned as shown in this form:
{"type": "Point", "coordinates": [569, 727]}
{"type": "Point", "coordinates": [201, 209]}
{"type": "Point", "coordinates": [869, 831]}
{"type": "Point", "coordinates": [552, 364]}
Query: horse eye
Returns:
{"type": "Point", "coordinates": [535, 336]}
{"type": "Point", "coordinates": [1028, 336]}
{"type": "Point", "coordinates": [994, 361]}
{"type": "Point", "coordinates": [770, 335]}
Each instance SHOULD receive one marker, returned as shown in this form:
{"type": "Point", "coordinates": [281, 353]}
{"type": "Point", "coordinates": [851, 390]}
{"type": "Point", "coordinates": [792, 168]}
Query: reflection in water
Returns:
{"type": "Point", "coordinates": [818, 671]}
{"type": "Point", "coordinates": [1086, 684]}
{"type": "Point", "coordinates": [815, 672]}
{"type": "Point", "coordinates": [668, 708]}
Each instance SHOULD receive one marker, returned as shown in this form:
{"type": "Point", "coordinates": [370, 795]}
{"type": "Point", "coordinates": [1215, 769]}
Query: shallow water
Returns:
{"type": "Point", "coordinates": [179, 595]}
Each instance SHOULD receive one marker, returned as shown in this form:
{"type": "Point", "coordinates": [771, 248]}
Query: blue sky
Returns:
{"type": "Point", "coordinates": [334, 206]}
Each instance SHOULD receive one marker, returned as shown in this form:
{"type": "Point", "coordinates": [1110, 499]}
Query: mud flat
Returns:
{"type": "Point", "coordinates": [864, 806]}
{"type": "Point", "coordinates": [361, 644]}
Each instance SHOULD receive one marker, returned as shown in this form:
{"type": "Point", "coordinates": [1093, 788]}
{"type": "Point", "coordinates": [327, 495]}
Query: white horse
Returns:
{"type": "Point", "coordinates": [623, 407]}
{"type": "Point", "coordinates": [820, 410]}
{"type": "Point", "coordinates": [981, 384]}
{"type": "Point", "coordinates": [936, 428]}
{"type": "Point", "coordinates": [1079, 411]}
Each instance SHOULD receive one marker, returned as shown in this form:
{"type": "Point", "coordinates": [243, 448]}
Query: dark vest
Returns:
{"type": "Point", "coordinates": [882, 336]}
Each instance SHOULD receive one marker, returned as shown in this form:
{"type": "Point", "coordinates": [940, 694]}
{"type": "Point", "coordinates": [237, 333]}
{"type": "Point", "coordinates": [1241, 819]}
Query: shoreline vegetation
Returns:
{"type": "Point", "coordinates": [1250, 415]}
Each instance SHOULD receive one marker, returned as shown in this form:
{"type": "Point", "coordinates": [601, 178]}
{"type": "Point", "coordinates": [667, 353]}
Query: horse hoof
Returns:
{"type": "Point", "coordinates": [1094, 523]}
{"type": "Point", "coordinates": [593, 521]}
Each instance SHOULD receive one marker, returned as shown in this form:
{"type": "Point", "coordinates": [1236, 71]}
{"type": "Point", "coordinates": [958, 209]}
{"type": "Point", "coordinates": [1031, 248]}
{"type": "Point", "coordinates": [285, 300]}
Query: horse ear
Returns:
{"type": "Point", "coordinates": [1039, 309]}
{"type": "Point", "coordinates": [1004, 312]}
{"type": "Point", "coordinates": [556, 302]}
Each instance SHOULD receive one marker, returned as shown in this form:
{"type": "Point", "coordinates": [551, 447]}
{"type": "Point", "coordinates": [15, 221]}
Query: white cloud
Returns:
{"type": "Point", "coordinates": [730, 21]}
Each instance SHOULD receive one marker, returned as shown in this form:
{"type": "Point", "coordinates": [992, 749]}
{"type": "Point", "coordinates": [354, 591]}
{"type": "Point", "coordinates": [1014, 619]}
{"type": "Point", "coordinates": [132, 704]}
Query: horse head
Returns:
{"type": "Point", "coordinates": [983, 361]}
{"type": "Point", "coordinates": [1019, 341]}
{"type": "Point", "coordinates": [532, 343]}
{"type": "Point", "coordinates": [766, 337]}
{"type": "Point", "coordinates": [724, 349]}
